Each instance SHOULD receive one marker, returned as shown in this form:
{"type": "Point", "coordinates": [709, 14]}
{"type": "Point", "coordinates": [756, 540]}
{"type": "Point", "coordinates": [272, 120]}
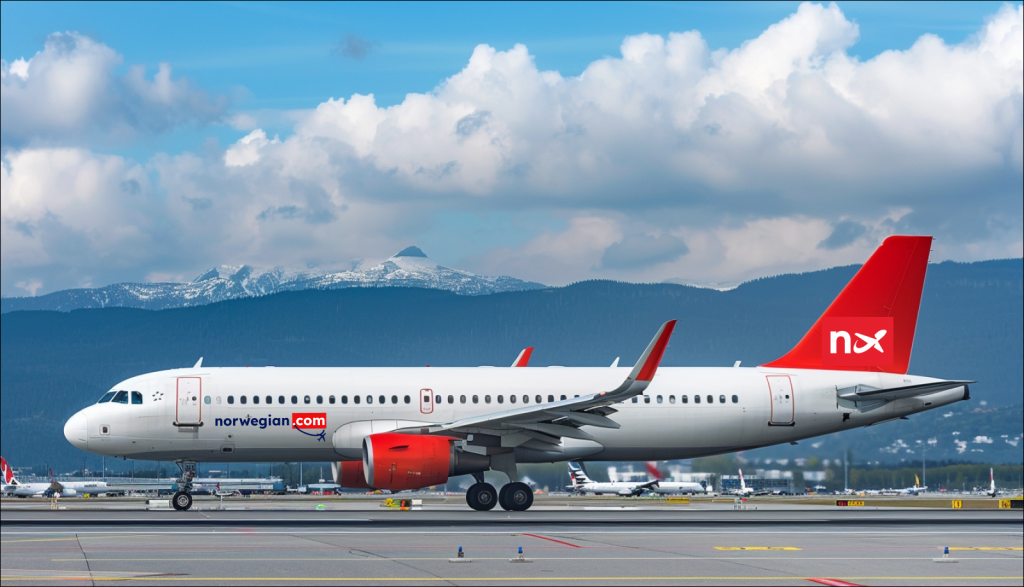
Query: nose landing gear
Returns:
{"type": "Point", "coordinates": [182, 500]}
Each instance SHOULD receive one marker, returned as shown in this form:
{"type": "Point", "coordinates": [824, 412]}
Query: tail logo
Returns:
{"type": "Point", "coordinates": [845, 344]}
{"type": "Point", "coordinates": [7, 473]}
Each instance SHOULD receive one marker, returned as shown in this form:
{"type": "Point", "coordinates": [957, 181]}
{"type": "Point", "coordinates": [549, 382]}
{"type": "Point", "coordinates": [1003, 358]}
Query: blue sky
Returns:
{"type": "Point", "coordinates": [267, 67]}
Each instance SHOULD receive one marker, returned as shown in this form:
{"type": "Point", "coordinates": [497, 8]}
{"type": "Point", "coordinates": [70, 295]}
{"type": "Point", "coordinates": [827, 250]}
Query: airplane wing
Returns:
{"type": "Point", "coordinates": [865, 392]}
{"type": "Point", "coordinates": [639, 489]}
{"type": "Point", "coordinates": [546, 424]}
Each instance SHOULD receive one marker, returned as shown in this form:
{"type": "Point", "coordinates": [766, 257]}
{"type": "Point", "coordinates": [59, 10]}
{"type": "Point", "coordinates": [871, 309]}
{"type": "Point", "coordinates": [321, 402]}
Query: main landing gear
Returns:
{"type": "Point", "coordinates": [513, 497]}
{"type": "Point", "coordinates": [182, 500]}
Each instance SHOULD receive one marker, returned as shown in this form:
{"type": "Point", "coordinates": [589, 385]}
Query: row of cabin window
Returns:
{"type": "Point", "coordinates": [121, 397]}
{"type": "Point", "coordinates": [370, 399]}
{"type": "Point", "coordinates": [686, 399]}
{"type": "Point", "coordinates": [451, 399]}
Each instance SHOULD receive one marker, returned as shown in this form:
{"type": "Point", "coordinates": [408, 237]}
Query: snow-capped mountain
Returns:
{"type": "Point", "coordinates": [408, 268]}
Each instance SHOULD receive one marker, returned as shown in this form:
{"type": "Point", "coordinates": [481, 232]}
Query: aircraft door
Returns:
{"type": "Point", "coordinates": [783, 404]}
{"type": "Point", "coordinates": [426, 401]}
{"type": "Point", "coordinates": [189, 407]}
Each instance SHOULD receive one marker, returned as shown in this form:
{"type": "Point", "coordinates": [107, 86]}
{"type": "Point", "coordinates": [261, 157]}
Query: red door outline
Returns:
{"type": "Point", "coordinates": [426, 401]}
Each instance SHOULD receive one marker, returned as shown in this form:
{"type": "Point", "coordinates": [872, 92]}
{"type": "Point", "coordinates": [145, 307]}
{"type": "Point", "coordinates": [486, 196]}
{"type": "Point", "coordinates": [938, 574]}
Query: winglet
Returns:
{"type": "Point", "coordinates": [647, 366]}
{"type": "Point", "coordinates": [524, 357]}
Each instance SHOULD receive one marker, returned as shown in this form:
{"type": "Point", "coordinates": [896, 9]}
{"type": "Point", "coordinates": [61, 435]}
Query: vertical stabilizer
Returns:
{"type": "Point", "coordinates": [8, 474]}
{"type": "Point", "coordinates": [870, 325]}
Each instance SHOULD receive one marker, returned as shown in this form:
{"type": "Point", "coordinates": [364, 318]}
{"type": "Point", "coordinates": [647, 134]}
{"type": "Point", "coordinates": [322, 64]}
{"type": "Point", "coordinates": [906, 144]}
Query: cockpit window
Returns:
{"type": "Point", "coordinates": [121, 397]}
{"type": "Point", "coordinates": [106, 397]}
{"type": "Point", "coordinates": [136, 398]}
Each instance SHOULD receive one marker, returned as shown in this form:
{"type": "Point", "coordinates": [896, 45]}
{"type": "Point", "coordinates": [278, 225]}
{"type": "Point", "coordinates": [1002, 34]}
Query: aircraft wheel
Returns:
{"type": "Point", "coordinates": [482, 497]}
{"type": "Point", "coordinates": [516, 497]}
{"type": "Point", "coordinates": [182, 501]}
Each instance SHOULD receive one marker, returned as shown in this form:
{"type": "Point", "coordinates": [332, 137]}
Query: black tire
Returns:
{"type": "Point", "coordinates": [518, 497]}
{"type": "Point", "coordinates": [182, 501]}
{"type": "Point", "coordinates": [482, 497]}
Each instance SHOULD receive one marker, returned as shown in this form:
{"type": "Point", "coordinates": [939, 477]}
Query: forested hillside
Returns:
{"type": "Point", "coordinates": [52, 364]}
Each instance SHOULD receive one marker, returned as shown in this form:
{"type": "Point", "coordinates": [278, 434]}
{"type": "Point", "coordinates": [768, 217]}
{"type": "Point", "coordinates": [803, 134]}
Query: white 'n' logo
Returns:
{"type": "Point", "coordinates": [869, 342]}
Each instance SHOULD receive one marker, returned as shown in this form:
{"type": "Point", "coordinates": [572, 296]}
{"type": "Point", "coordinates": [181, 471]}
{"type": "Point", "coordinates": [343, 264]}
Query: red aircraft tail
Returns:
{"type": "Point", "coordinates": [870, 325]}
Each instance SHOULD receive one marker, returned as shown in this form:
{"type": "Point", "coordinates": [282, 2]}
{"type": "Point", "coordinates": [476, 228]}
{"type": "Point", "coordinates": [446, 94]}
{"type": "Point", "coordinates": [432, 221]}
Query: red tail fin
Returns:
{"type": "Point", "coordinates": [7, 473]}
{"type": "Point", "coordinates": [652, 469]}
{"type": "Point", "coordinates": [870, 325]}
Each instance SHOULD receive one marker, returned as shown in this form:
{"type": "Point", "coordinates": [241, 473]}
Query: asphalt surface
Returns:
{"type": "Point", "coordinates": [568, 543]}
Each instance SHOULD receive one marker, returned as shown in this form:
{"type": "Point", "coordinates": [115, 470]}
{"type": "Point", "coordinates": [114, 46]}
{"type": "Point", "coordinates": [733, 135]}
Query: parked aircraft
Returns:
{"type": "Point", "coordinates": [66, 488]}
{"type": "Point", "coordinates": [583, 484]}
{"type": "Point", "coordinates": [674, 486]}
{"type": "Point", "coordinates": [407, 428]}
{"type": "Point", "coordinates": [915, 490]}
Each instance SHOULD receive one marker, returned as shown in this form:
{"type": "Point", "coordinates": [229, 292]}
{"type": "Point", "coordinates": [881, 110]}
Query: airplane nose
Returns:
{"type": "Point", "coordinates": [76, 430]}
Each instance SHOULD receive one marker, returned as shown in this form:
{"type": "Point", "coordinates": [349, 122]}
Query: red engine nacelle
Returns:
{"type": "Point", "coordinates": [350, 475]}
{"type": "Point", "coordinates": [405, 461]}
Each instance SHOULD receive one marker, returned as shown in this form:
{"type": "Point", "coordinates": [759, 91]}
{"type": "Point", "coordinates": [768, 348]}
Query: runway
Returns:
{"type": "Point", "coordinates": [361, 543]}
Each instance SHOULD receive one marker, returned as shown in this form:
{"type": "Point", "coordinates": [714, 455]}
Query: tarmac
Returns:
{"type": "Point", "coordinates": [604, 541]}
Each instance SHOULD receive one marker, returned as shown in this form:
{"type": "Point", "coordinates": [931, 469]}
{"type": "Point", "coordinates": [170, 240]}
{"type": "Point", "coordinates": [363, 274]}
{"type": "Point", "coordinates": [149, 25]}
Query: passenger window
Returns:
{"type": "Point", "coordinates": [356, 399]}
{"type": "Point", "coordinates": [671, 399]}
{"type": "Point", "coordinates": [270, 399]}
{"type": "Point", "coordinates": [137, 398]}
{"type": "Point", "coordinates": [319, 399]}
{"type": "Point", "coordinates": [407, 399]}
{"type": "Point", "coordinates": [501, 399]}
{"type": "Point", "coordinates": [721, 399]}
{"type": "Point", "coordinates": [255, 399]}
{"type": "Point", "coordinates": [106, 397]}
{"type": "Point", "coordinates": [659, 399]}
{"type": "Point", "coordinates": [487, 399]}
{"type": "Point", "coordinates": [394, 399]}
{"type": "Point", "coordinates": [330, 400]}
{"type": "Point", "coordinates": [382, 400]}
{"type": "Point", "coordinates": [735, 399]}
{"type": "Point", "coordinates": [647, 399]}
{"type": "Point", "coordinates": [696, 399]}
{"type": "Point", "coordinates": [369, 399]}
{"type": "Point", "coordinates": [231, 399]}
{"type": "Point", "coordinates": [305, 399]}
{"type": "Point", "coordinates": [563, 398]}
{"type": "Point", "coordinates": [437, 399]}
{"type": "Point", "coordinates": [476, 399]}
{"type": "Point", "coordinates": [711, 399]}
{"type": "Point", "coordinates": [462, 399]}
{"type": "Point", "coordinates": [526, 399]}
{"type": "Point", "coordinates": [451, 399]}
{"type": "Point", "coordinates": [511, 399]}
{"type": "Point", "coordinates": [685, 399]}
{"type": "Point", "coordinates": [344, 399]}
{"type": "Point", "coordinates": [121, 397]}
{"type": "Point", "coordinates": [206, 400]}
{"type": "Point", "coordinates": [539, 399]}
{"type": "Point", "coordinates": [634, 399]}
{"type": "Point", "coordinates": [280, 399]}
{"type": "Point", "coordinates": [295, 399]}
{"type": "Point", "coordinates": [551, 399]}
{"type": "Point", "coordinates": [243, 400]}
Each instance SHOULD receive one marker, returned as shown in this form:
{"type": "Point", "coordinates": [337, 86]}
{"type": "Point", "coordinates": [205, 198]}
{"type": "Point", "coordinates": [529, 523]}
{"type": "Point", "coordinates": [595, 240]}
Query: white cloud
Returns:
{"type": "Point", "coordinates": [71, 93]}
{"type": "Point", "coordinates": [785, 154]}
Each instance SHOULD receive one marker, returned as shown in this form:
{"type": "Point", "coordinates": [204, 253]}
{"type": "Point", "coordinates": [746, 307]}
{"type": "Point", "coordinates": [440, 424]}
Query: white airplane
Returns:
{"type": "Point", "coordinates": [915, 490]}
{"type": "Point", "coordinates": [743, 490]}
{"type": "Point", "coordinates": [674, 486]}
{"type": "Point", "coordinates": [583, 484]}
{"type": "Point", "coordinates": [407, 428]}
{"type": "Point", "coordinates": [66, 488]}
{"type": "Point", "coordinates": [992, 492]}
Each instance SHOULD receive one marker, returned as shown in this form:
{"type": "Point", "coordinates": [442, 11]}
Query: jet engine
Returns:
{"type": "Point", "coordinates": [349, 474]}
{"type": "Point", "coordinates": [405, 461]}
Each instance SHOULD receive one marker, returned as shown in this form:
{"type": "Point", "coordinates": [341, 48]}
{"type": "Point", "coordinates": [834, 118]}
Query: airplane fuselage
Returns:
{"type": "Point", "coordinates": [250, 414]}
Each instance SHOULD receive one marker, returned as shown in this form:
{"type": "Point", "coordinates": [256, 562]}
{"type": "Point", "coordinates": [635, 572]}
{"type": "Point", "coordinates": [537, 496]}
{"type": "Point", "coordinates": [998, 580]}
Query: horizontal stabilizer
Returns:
{"type": "Point", "coordinates": [863, 392]}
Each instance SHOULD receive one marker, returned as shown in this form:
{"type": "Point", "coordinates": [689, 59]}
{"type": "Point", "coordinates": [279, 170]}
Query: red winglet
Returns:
{"type": "Point", "coordinates": [524, 357]}
{"type": "Point", "coordinates": [655, 352]}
